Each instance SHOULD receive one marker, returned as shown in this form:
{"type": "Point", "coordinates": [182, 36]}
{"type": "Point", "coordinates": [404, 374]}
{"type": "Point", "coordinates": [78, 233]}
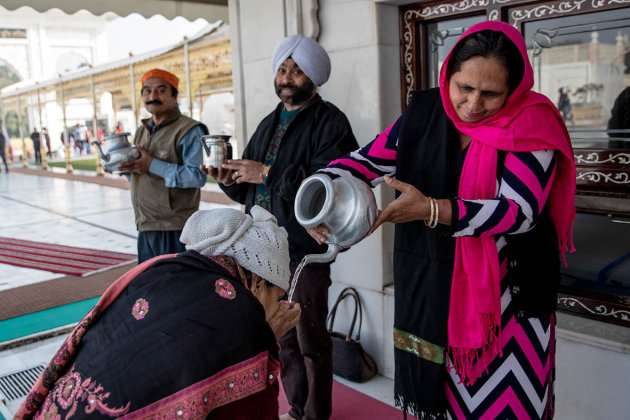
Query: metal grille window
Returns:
{"type": "Point", "coordinates": [580, 53]}
{"type": "Point", "coordinates": [17, 385]}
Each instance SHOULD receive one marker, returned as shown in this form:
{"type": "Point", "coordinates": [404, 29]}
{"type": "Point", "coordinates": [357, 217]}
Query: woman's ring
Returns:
{"type": "Point", "coordinates": [236, 175]}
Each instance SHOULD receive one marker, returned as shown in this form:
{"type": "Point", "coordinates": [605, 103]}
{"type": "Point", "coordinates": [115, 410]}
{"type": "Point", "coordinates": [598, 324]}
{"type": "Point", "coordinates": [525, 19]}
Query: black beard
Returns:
{"type": "Point", "coordinates": [298, 96]}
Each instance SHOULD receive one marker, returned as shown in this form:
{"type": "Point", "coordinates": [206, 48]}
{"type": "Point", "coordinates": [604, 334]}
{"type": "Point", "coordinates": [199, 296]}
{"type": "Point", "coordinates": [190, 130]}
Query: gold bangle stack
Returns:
{"type": "Point", "coordinates": [432, 221]}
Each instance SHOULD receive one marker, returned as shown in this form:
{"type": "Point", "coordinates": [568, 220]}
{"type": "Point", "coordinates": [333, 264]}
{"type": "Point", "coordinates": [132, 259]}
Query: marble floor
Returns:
{"type": "Point", "coordinates": [64, 212]}
{"type": "Point", "coordinates": [80, 214]}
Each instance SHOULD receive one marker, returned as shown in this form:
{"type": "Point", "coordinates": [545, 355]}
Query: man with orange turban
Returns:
{"type": "Point", "coordinates": [166, 179]}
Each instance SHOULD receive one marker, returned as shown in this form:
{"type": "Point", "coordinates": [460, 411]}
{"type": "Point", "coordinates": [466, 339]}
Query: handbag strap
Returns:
{"type": "Point", "coordinates": [348, 291]}
{"type": "Point", "coordinates": [357, 300]}
{"type": "Point", "coordinates": [333, 313]}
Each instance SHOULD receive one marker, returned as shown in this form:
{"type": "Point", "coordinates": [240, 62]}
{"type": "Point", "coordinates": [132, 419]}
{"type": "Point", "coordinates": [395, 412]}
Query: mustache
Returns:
{"type": "Point", "coordinates": [287, 86]}
{"type": "Point", "coordinates": [155, 102]}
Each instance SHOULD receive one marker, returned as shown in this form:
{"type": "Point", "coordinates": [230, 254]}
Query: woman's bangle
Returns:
{"type": "Point", "coordinates": [437, 214]}
{"type": "Point", "coordinates": [432, 214]}
{"type": "Point", "coordinates": [432, 221]}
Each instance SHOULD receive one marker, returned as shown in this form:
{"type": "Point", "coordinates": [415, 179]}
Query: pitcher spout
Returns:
{"type": "Point", "coordinates": [329, 255]}
{"type": "Point", "coordinates": [104, 156]}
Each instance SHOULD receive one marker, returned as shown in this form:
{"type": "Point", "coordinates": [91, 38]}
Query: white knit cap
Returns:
{"type": "Point", "coordinates": [256, 242]}
{"type": "Point", "coordinates": [308, 54]}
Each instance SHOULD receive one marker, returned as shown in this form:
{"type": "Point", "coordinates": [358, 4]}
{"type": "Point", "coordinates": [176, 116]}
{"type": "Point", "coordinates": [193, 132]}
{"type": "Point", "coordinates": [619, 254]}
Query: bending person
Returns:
{"type": "Point", "coordinates": [485, 186]}
{"type": "Point", "coordinates": [189, 336]}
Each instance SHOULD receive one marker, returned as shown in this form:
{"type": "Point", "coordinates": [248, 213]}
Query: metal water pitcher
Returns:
{"type": "Point", "coordinates": [345, 205]}
{"type": "Point", "coordinates": [116, 149]}
{"type": "Point", "coordinates": [218, 149]}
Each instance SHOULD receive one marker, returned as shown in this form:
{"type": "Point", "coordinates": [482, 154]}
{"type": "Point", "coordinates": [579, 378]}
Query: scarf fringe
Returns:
{"type": "Point", "coordinates": [414, 410]}
{"type": "Point", "coordinates": [470, 363]}
{"type": "Point", "coordinates": [566, 245]}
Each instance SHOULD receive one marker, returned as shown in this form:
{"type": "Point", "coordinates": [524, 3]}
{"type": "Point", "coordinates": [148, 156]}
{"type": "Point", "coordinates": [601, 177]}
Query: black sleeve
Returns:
{"type": "Point", "coordinates": [332, 139]}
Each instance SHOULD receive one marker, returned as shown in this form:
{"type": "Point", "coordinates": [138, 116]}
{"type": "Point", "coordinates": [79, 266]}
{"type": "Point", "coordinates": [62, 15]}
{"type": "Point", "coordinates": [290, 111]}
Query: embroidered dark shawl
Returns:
{"type": "Point", "coordinates": [178, 334]}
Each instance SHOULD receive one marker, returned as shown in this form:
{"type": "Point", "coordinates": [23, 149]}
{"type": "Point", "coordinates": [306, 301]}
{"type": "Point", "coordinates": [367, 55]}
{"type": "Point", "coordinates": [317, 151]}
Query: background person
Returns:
{"type": "Point", "coordinates": [80, 137]}
{"type": "Point", "coordinates": [620, 119]}
{"type": "Point", "coordinates": [69, 137]}
{"type": "Point", "coordinates": [47, 139]}
{"type": "Point", "coordinates": [3, 145]}
{"type": "Point", "coordinates": [166, 179]}
{"type": "Point", "coordinates": [5, 133]}
{"type": "Point", "coordinates": [191, 335]}
{"type": "Point", "coordinates": [299, 137]}
{"type": "Point", "coordinates": [88, 141]}
{"type": "Point", "coordinates": [485, 185]}
{"type": "Point", "coordinates": [564, 105]}
{"type": "Point", "coordinates": [37, 145]}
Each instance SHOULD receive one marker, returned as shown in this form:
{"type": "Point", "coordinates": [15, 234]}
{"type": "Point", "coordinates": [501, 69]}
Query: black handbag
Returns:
{"type": "Point", "coordinates": [350, 361]}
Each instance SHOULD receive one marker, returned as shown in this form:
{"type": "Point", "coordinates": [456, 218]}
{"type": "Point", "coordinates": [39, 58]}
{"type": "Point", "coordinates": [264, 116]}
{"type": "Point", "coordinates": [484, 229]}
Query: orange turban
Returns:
{"type": "Point", "coordinates": [162, 74]}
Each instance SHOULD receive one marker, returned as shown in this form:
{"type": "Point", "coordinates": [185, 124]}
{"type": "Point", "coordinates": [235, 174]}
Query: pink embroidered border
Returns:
{"type": "Point", "coordinates": [230, 384]}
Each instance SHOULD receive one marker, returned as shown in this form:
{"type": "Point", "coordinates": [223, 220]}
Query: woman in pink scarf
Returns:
{"type": "Point", "coordinates": [485, 186]}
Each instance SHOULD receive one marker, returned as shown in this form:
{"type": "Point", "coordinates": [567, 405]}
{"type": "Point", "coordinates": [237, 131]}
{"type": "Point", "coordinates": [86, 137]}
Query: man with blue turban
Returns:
{"type": "Point", "coordinates": [299, 137]}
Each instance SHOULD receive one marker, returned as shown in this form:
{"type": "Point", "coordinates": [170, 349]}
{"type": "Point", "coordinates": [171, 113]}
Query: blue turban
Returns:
{"type": "Point", "coordinates": [308, 54]}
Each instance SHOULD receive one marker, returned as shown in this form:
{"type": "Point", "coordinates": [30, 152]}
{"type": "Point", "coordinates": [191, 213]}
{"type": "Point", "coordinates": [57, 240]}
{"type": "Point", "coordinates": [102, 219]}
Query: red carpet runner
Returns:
{"type": "Point", "coordinates": [349, 404]}
{"type": "Point", "coordinates": [59, 258]}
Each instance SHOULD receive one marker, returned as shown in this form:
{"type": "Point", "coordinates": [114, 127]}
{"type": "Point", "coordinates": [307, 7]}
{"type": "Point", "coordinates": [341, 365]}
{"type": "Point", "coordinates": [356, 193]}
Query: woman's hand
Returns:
{"type": "Point", "coordinates": [319, 233]}
{"type": "Point", "coordinates": [284, 318]}
{"type": "Point", "coordinates": [244, 170]}
{"type": "Point", "coordinates": [410, 205]}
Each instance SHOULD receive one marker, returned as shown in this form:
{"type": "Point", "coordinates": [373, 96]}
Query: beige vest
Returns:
{"type": "Point", "coordinates": [157, 207]}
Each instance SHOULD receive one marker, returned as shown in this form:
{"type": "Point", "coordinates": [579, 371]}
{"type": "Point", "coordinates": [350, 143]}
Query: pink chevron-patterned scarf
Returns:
{"type": "Point", "coordinates": [528, 121]}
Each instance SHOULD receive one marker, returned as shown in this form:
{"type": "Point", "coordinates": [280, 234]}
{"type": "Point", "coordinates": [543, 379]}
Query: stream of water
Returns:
{"type": "Point", "coordinates": [295, 278]}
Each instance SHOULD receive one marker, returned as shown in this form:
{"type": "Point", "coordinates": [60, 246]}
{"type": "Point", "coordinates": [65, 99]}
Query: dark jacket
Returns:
{"type": "Point", "coordinates": [534, 269]}
{"type": "Point", "coordinates": [319, 134]}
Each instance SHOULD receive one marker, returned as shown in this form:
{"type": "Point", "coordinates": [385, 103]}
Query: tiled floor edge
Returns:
{"type": "Point", "coordinates": [43, 321]}
{"type": "Point", "coordinates": [22, 341]}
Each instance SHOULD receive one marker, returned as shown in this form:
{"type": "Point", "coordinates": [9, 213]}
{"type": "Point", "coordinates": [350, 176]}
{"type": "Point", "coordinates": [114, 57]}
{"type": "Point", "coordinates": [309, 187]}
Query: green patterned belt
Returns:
{"type": "Point", "coordinates": [416, 345]}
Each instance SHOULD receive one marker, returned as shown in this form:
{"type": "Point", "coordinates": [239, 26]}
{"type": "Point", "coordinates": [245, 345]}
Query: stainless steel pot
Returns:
{"type": "Point", "coordinates": [218, 149]}
{"type": "Point", "coordinates": [116, 149]}
{"type": "Point", "coordinates": [345, 205]}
